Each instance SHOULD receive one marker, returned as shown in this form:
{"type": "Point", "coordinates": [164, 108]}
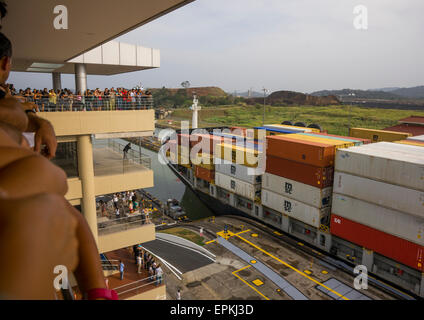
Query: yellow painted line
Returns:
{"type": "Point", "coordinates": [210, 241]}
{"type": "Point", "coordinates": [307, 272]}
{"type": "Point", "coordinates": [234, 273]}
{"type": "Point", "coordinates": [324, 272]}
{"type": "Point", "coordinates": [277, 233]}
{"type": "Point", "coordinates": [242, 268]}
{"type": "Point", "coordinates": [254, 235]}
{"type": "Point", "coordinates": [293, 268]}
{"type": "Point", "coordinates": [300, 244]}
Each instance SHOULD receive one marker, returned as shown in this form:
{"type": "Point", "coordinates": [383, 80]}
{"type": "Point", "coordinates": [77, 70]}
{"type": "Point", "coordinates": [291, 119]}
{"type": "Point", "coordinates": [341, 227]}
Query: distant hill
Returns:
{"type": "Point", "coordinates": [390, 93]}
{"type": "Point", "coordinates": [358, 94]}
{"type": "Point", "coordinates": [280, 98]}
{"type": "Point", "coordinates": [411, 93]}
{"type": "Point", "coordinates": [200, 91]}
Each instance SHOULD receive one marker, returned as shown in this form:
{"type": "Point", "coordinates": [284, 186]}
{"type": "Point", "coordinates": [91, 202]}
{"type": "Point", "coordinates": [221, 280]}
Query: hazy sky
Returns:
{"type": "Point", "coordinates": [300, 45]}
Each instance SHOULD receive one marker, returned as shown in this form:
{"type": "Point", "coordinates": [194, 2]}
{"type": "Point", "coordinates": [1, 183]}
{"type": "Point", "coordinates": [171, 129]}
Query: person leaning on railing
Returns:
{"type": "Point", "coordinates": [34, 212]}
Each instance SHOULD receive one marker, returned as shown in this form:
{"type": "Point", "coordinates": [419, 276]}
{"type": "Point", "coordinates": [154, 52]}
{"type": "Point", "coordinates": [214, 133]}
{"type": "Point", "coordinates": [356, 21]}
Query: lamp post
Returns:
{"type": "Point", "coordinates": [265, 93]}
{"type": "Point", "coordinates": [350, 106]}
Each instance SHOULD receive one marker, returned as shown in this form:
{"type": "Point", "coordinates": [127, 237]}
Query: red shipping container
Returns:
{"type": "Point", "coordinates": [204, 174]}
{"type": "Point", "coordinates": [397, 249]}
{"type": "Point", "coordinates": [364, 141]}
{"type": "Point", "coordinates": [308, 152]}
{"type": "Point", "coordinates": [304, 173]}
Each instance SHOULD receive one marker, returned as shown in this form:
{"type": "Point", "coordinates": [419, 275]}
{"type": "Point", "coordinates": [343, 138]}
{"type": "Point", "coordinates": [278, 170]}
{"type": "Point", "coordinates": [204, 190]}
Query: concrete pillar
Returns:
{"type": "Point", "coordinates": [80, 78]}
{"type": "Point", "coordinates": [421, 294]}
{"type": "Point", "coordinates": [86, 173]}
{"type": "Point", "coordinates": [368, 259]}
{"type": "Point", "coordinates": [232, 200]}
{"type": "Point", "coordinates": [57, 81]}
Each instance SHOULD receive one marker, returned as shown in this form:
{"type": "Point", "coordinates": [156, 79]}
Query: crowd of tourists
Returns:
{"type": "Point", "coordinates": [145, 260]}
{"type": "Point", "coordinates": [91, 100]}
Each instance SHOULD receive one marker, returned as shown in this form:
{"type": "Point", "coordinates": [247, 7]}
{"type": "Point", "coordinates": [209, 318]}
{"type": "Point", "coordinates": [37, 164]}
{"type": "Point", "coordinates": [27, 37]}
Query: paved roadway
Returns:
{"type": "Point", "coordinates": [182, 258]}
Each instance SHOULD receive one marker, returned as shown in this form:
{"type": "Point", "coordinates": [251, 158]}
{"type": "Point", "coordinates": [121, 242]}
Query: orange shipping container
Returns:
{"type": "Point", "coordinates": [304, 173]}
{"type": "Point", "coordinates": [307, 152]}
{"type": "Point", "coordinates": [204, 174]}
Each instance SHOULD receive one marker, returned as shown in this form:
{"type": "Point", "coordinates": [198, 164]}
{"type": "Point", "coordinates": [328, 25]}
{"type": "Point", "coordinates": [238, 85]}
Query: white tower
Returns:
{"type": "Point", "coordinates": [195, 107]}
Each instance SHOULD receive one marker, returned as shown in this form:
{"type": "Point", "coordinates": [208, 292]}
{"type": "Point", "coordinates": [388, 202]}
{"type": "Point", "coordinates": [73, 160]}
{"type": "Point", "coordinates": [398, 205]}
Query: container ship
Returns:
{"type": "Point", "coordinates": [358, 197]}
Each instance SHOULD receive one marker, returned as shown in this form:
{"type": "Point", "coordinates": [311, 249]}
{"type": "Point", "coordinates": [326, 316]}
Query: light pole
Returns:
{"type": "Point", "coordinates": [350, 106]}
{"type": "Point", "coordinates": [265, 92]}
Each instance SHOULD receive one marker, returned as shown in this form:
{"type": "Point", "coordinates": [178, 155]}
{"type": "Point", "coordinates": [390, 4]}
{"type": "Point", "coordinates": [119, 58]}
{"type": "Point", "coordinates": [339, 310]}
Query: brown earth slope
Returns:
{"type": "Point", "coordinates": [279, 98]}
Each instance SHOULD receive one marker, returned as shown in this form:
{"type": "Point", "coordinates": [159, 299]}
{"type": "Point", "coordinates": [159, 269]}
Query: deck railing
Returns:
{"type": "Point", "coordinates": [91, 103]}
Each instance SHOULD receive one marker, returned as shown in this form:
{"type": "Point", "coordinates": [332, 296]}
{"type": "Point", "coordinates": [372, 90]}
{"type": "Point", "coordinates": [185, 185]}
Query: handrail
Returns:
{"type": "Point", "coordinates": [90, 103]}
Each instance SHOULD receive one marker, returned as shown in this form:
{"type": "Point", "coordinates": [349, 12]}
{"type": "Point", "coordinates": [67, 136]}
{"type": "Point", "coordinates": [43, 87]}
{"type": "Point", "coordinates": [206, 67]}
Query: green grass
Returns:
{"type": "Point", "coordinates": [335, 119]}
{"type": "Point", "coordinates": [186, 234]}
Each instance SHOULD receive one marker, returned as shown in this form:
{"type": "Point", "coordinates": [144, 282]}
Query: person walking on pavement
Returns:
{"type": "Point", "coordinates": [121, 269]}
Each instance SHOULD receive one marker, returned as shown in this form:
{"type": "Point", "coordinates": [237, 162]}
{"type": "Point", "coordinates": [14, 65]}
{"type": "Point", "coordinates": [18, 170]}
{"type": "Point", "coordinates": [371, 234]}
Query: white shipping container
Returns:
{"type": "Point", "coordinates": [393, 222]}
{"type": "Point", "coordinates": [242, 188]}
{"type": "Point", "coordinates": [396, 167]}
{"type": "Point", "coordinates": [416, 138]}
{"type": "Point", "coordinates": [384, 194]}
{"type": "Point", "coordinates": [315, 197]}
{"type": "Point", "coordinates": [238, 171]}
{"type": "Point", "coordinates": [405, 150]}
{"type": "Point", "coordinates": [295, 209]}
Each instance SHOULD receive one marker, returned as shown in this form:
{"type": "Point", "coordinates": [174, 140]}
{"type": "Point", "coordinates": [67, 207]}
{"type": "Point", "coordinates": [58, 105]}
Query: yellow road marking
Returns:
{"type": "Point", "coordinates": [236, 275]}
{"type": "Point", "coordinates": [254, 235]}
{"type": "Point", "coordinates": [293, 268]}
{"type": "Point", "coordinates": [257, 282]}
{"type": "Point", "coordinates": [210, 241]}
{"type": "Point", "coordinates": [307, 272]}
{"type": "Point", "coordinates": [277, 233]}
{"type": "Point", "coordinates": [324, 272]}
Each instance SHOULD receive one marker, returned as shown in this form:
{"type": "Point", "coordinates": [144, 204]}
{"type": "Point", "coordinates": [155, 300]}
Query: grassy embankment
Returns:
{"type": "Point", "coordinates": [186, 234]}
{"type": "Point", "coordinates": [335, 119]}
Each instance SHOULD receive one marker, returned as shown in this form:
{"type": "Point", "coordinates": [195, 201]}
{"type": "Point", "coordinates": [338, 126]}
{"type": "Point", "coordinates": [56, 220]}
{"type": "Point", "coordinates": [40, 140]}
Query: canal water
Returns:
{"type": "Point", "coordinates": [168, 186]}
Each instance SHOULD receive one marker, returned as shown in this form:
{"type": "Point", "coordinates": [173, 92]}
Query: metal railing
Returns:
{"type": "Point", "coordinates": [122, 224]}
{"type": "Point", "coordinates": [140, 284]}
{"type": "Point", "coordinates": [91, 103]}
{"type": "Point", "coordinates": [133, 155]}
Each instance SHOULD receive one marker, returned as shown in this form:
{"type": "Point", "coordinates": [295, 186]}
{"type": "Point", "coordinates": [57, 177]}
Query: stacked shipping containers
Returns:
{"type": "Point", "coordinates": [299, 177]}
{"type": "Point", "coordinates": [378, 200]}
{"type": "Point", "coordinates": [236, 171]}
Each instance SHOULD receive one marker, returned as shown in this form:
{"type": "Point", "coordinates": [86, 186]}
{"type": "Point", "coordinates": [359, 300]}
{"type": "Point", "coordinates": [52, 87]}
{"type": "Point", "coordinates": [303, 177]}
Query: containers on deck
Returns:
{"type": "Point", "coordinates": [316, 197]}
{"type": "Point", "coordinates": [378, 135]}
{"type": "Point", "coordinates": [311, 175]}
{"type": "Point", "coordinates": [296, 209]}
{"type": "Point", "coordinates": [242, 188]}
{"type": "Point", "coordinates": [398, 249]}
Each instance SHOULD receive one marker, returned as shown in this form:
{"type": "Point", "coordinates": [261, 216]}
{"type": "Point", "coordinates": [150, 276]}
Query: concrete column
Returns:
{"type": "Point", "coordinates": [86, 173]}
{"type": "Point", "coordinates": [368, 259]}
{"type": "Point", "coordinates": [421, 294]}
{"type": "Point", "coordinates": [80, 78]}
{"type": "Point", "coordinates": [57, 81]}
{"type": "Point", "coordinates": [327, 237]}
